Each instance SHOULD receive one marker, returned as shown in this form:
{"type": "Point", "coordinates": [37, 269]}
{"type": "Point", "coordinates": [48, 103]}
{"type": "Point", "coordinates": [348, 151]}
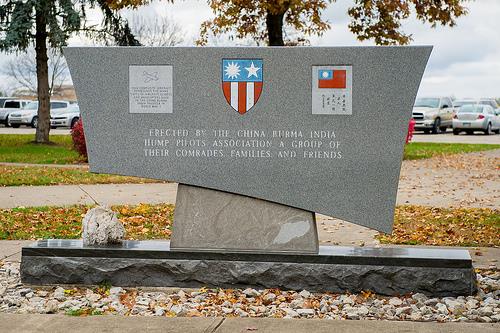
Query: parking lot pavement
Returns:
{"type": "Point", "coordinates": [448, 137]}
{"type": "Point", "coordinates": [29, 130]}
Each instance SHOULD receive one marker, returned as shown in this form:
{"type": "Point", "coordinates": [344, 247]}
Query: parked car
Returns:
{"type": "Point", "coordinates": [489, 101]}
{"type": "Point", "coordinates": [29, 114]}
{"type": "Point", "coordinates": [9, 106]}
{"type": "Point", "coordinates": [461, 102]}
{"type": "Point", "coordinates": [3, 99]}
{"type": "Point", "coordinates": [68, 118]}
{"type": "Point", "coordinates": [476, 117]}
{"type": "Point", "coordinates": [433, 114]}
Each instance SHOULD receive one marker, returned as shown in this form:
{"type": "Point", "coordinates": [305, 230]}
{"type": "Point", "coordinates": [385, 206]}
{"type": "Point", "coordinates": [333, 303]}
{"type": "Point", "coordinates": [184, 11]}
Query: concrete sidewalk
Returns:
{"type": "Point", "coordinates": [29, 130]}
{"type": "Point", "coordinates": [61, 166]}
{"type": "Point", "coordinates": [10, 250]}
{"type": "Point", "coordinates": [56, 323]}
{"type": "Point", "coordinates": [105, 194]}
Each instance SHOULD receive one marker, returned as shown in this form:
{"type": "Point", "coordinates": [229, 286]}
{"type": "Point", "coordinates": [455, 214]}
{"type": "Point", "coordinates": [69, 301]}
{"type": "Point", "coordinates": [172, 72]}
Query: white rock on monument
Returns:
{"type": "Point", "coordinates": [101, 226]}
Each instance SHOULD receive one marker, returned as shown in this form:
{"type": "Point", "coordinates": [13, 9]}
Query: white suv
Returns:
{"type": "Point", "coordinates": [29, 114]}
{"type": "Point", "coordinates": [433, 114]}
{"type": "Point", "coordinates": [9, 106]}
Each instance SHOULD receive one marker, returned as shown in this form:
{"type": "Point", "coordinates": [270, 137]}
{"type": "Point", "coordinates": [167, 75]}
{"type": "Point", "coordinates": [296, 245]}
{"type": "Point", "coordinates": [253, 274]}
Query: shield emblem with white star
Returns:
{"type": "Point", "coordinates": [242, 83]}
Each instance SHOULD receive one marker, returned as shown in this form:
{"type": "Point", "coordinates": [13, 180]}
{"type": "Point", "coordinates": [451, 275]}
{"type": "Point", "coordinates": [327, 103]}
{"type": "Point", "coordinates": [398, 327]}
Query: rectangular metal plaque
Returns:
{"type": "Point", "coordinates": [150, 89]}
{"type": "Point", "coordinates": [332, 90]}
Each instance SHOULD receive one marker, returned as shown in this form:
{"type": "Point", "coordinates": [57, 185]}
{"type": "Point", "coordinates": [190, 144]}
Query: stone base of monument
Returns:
{"type": "Point", "coordinates": [387, 271]}
{"type": "Point", "coordinates": [211, 220]}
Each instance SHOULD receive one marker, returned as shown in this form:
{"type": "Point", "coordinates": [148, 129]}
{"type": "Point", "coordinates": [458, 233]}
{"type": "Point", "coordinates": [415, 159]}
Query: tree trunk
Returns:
{"type": "Point", "coordinates": [42, 73]}
{"type": "Point", "coordinates": [274, 23]}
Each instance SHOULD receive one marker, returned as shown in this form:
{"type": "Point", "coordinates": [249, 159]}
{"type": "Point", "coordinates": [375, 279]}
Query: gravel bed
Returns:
{"type": "Point", "coordinates": [17, 298]}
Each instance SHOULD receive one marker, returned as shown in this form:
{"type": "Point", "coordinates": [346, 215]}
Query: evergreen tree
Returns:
{"type": "Point", "coordinates": [44, 23]}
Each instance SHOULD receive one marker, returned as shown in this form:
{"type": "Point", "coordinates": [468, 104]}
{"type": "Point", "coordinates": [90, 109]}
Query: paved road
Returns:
{"type": "Point", "coordinates": [20, 323]}
{"type": "Point", "coordinates": [462, 138]}
{"type": "Point", "coordinates": [29, 130]}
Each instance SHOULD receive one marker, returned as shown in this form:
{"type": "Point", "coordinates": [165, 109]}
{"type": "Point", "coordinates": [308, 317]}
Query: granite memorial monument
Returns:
{"type": "Point", "coordinates": [259, 139]}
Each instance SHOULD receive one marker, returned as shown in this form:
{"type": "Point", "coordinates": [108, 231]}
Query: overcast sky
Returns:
{"type": "Point", "coordinates": [465, 61]}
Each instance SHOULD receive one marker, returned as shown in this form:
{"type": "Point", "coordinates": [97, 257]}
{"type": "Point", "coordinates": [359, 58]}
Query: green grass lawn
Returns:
{"type": "Point", "coordinates": [19, 148]}
{"type": "Point", "coordinates": [420, 150]}
{"type": "Point", "coordinates": [37, 176]}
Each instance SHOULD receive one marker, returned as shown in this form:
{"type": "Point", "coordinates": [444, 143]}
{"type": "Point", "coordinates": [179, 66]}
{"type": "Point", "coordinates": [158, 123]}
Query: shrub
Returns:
{"type": "Point", "coordinates": [411, 129]}
{"type": "Point", "coordinates": [78, 137]}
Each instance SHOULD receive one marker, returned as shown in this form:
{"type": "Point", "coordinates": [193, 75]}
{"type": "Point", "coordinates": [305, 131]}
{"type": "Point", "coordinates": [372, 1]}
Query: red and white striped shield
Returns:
{"type": "Point", "coordinates": [242, 83]}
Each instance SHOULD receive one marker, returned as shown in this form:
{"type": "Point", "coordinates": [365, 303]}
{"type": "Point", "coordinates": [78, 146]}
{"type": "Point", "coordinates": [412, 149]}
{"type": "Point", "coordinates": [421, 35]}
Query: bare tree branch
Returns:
{"type": "Point", "coordinates": [157, 31]}
{"type": "Point", "coordinates": [22, 70]}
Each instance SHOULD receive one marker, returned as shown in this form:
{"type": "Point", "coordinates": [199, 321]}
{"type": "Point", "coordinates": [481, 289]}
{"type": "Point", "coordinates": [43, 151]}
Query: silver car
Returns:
{"type": "Point", "coordinates": [29, 114]}
{"type": "Point", "coordinates": [461, 102]}
{"type": "Point", "coordinates": [476, 117]}
{"type": "Point", "coordinates": [68, 118]}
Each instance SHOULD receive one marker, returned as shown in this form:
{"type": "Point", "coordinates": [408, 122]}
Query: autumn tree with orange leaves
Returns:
{"type": "Point", "coordinates": [266, 21]}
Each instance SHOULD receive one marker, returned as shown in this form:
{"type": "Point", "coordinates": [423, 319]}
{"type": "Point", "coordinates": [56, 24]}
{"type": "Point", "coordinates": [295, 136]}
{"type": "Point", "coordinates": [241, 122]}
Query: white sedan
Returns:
{"type": "Point", "coordinates": [68, 118]}
{"type": "Point", "coordinates": [476, 117]}
{"type": "Point", "coordinates": [29, 114]}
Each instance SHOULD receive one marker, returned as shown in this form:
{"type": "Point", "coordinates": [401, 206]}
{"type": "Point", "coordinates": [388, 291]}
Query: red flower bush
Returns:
{"type": "Point", "coordinates": [411, 129]}
{"type": "Point", "coordinates": [78, 137]}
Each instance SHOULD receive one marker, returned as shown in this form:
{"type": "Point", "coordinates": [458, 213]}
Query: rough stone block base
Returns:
{"type": "Point", "coordinates": [387, 271]}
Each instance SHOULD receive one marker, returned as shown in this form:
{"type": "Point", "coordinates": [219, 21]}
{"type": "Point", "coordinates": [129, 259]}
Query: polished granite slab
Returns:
{"type": "Point", "coordinates": [386, 256]}
{"type": "Point", "coordinates": [333, 167]}
{"type": "Point", "coordinates": [209, 220]}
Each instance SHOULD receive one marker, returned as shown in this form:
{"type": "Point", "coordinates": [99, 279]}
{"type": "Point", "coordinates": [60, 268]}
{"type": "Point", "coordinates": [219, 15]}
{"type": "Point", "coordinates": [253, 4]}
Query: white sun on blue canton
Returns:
{"type": "Point", "coordinates": [232, 70]}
